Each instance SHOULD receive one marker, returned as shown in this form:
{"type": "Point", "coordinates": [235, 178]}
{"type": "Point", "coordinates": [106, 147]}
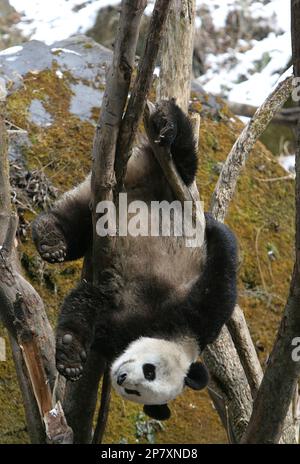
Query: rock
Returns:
{"type": "Point", "coordinates": [79, 58]}
{"type": "Point", "coordinates": [38, 114]}
{"type": "Point", "coordinates": [18, 142]}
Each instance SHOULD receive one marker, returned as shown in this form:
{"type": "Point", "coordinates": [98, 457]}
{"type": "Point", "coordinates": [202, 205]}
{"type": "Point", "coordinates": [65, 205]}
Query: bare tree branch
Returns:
{"type": "Point", "coordinates": [114, 136]}
{"type": "Point", "coordinates": [236, 159]}
{"type": "Point", "coordinates": [176, 66]}
{"type": "Point", "coordinates": [244, 345]}
{"type": "Point", "coordinates": [282, 373]}
{"type": "Point", "coordinates": [104, 150]}
{"type": "Point", "coordinates": [286, 116]}
{"type": "Point", "coordinates": [114, 101]}
{"type": "Point", "coordinates": [220, 201]}
{"type": "Point", "coordinates": [141, 88]}
{"type": "Point", "coordinates": [104, 408]}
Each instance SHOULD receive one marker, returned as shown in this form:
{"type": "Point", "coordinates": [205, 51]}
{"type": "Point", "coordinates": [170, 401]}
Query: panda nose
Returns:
{"type": "Point", "coordinates": [121, 378]}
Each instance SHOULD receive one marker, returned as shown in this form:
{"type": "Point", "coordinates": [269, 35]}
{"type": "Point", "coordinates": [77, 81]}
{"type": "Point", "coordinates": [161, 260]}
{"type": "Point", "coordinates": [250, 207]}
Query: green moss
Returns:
{"type": "Point", "coordinates": [64, 149]}
{"type": "Point", "coordinates": [88, 45]}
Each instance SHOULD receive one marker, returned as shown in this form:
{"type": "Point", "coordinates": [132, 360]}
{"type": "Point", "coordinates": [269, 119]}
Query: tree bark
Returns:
{"type": "Point", "coordinates": [175, 82]}
{"type": "Point", "coordinates": [177, 49]}
{"type": "Point", "coordinates": [243, 343]}
{"type": "Point", "coordinates": [114, 101]}
{"type": "Point", "coordinates": [79, 406]}
{"type": "Point", "coordinates": [141, 88]}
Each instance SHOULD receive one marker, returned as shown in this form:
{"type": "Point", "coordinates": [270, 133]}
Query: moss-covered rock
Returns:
{"type": "Point", "coordinates": [262, 216]}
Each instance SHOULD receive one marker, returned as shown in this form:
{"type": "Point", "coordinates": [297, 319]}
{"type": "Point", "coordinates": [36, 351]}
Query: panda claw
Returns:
{"type": "Point", "coordinates": [83, 355]}
{"type": "Point", "coordinates": [67, 339]}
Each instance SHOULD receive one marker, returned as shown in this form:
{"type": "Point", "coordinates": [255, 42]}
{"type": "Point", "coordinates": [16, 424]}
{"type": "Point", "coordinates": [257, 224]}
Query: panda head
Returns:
{"type": "Point", "coordinates": [153, 371]}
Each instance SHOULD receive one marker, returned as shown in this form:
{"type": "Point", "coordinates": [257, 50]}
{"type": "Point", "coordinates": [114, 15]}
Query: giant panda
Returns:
{"type": "Point", "coordinates": [160, 303]}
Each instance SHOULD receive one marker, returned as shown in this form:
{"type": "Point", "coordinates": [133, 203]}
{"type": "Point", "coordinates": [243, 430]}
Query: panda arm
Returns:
{"type": "Point", "coordinates": [65, 231]}
{"type": "Point", "coordinates": [213, 297]}
{"type": "Point", "coordinates": [173, 127]}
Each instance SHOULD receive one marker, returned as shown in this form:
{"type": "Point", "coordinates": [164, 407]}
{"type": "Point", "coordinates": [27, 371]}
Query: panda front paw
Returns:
{"type": "Point", "coordinates": [70, 356]}
{"type": "Point", "coordinates": [48, 239]}
{"type": "Point", "coordinates": [164, 123]}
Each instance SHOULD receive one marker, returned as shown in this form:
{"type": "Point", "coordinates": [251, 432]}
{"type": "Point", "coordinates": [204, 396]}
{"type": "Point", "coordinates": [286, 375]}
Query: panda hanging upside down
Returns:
{"type": "Point", "coordinates": [161, 302]}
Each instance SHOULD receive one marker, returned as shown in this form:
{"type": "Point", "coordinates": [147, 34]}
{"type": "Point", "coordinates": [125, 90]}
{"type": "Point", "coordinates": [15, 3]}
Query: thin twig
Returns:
{"type": "Point", "coordinates": [104, 408]}
{"type": "Point", "coordinates": [276, 179]}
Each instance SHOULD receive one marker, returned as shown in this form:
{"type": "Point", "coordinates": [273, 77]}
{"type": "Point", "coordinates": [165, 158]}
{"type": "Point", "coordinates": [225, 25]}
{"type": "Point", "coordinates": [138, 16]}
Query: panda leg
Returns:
{"type": "Point", "coordinates": [65, 232]}
{"type": "Point", "coordinates": [173, 128]}
{"type": "Point", "coordinates": [75, 330]}
{"type": "Point", "coordinates": [214, 295]}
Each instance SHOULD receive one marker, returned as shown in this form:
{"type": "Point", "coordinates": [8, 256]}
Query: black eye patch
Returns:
{"type": "Point", "coordinates": [132, 392]}
{"type": "Point", "coordinates": [149, 371]}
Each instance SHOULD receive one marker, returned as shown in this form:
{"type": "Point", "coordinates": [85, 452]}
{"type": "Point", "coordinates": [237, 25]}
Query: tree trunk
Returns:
{"type": "Point", "coordinates": [177, 49]}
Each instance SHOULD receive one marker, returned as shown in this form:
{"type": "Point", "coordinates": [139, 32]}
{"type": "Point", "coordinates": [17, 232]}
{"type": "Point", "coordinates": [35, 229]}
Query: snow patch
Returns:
{"type": "Point", "coordinates": [11, 50]}
{"type": "Point", "coordinates": [64, 50]}
{"type": "Point", "coordinates": [287, 162]}
{"type": "Point", "coordinates": [247, 73]}
{"type": "Point", "coordinates": [50, 21]}
{"type": "Point", "coordinates": [59, 74]}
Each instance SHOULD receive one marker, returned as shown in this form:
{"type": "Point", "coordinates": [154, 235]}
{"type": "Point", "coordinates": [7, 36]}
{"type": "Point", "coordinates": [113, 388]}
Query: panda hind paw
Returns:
{"type": "Point", "coordinates": [164, 123]}
{"type": "Point", "coordinates": [70, 356]}
{"type": "Point", "coordinates": [48, 239]}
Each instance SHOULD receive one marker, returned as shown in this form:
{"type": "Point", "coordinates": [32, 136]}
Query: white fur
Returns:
{"type": "Point", "coordinates": [172, 360]}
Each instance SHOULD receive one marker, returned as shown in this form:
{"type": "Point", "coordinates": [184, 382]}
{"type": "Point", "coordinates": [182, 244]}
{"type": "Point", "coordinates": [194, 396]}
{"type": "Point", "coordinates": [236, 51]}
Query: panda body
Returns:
{"type": "Point", "coordinates": [160, 302]}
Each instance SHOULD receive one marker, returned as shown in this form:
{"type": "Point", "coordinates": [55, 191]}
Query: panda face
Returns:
{"type": "Point", "coordinates": [152, 371]}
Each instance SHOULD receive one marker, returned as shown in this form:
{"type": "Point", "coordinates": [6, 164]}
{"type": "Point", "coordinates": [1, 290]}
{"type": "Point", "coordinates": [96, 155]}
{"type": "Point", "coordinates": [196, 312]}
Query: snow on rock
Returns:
{"type": "Point", "coordinates": [287, 162]}
{"type": "Point", "coordinates": [11, 50]}
{"type": "Point", "coordinates": [64, 50]}
{"type": "Point", "coordinates": [247, 72]}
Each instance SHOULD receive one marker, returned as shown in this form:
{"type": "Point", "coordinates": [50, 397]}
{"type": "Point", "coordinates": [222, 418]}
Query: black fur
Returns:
{"type": "Point", "coordinates": [197, 377]}
{"type": "Point", "coordinates": [65, 232]}
{"type": "Point", "coordinates": [178, 133]}
{"type": "Point", "coordinates": [158, 411]}
{"type": "Point", "coordinates": [138, 297]}
{"type": "Point", "coordinates": [154, 312]}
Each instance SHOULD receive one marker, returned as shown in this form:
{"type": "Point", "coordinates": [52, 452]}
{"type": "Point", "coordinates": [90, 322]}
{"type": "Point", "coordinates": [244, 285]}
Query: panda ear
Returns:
{"type": "Point", "coordinates": [197, 376]}
{"type": "Point", "coordinates": [157, 411]}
